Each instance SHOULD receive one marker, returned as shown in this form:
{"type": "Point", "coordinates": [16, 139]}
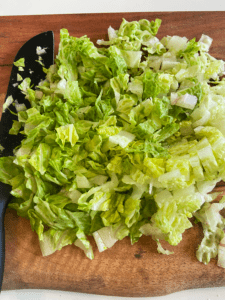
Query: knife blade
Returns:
{"type": "Point", "coordinates": [34, 70]}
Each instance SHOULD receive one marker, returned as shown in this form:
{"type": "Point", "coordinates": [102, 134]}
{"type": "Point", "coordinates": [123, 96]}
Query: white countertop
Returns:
{"type": "Point", "coordinates": [199, 294]}
{"type": "Point", "coordinates": [28, 7]}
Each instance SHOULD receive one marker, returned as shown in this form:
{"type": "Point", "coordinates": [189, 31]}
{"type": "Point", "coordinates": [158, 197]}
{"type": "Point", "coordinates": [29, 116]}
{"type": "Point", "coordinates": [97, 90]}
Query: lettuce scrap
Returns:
{"type": "Point", "coordinates": [122, 140]}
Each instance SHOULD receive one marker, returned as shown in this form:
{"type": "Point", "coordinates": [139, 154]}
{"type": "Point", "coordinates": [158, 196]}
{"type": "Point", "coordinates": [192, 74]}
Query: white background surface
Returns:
{"type": "Point", "coordinates": [29, 7]}
{"type": "Point", "coordinates": [204, 294]}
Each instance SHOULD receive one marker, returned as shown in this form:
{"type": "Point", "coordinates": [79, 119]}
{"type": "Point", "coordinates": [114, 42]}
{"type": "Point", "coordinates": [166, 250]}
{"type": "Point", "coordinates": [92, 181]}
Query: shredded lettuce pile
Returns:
{"type": "Point", "coordinates": [123, 139]}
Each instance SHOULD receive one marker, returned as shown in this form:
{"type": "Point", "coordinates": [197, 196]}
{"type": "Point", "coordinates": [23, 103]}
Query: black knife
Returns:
{"type": "Point", "coordinates": [34, 70]}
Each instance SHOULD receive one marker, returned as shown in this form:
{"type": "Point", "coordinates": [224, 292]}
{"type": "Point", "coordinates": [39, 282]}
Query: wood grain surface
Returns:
{"type": "Point", "coordinates": [123, 270]}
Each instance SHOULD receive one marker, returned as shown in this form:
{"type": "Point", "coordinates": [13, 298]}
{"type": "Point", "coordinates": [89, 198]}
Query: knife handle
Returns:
{"type": "Point", "coordinates": [4, 197]}
{"type": "Point", "coordinates": [2, 252]}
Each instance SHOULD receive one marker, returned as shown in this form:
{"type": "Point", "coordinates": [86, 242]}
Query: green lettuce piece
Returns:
{"type": "Point", "coordinates": [15, 127]}
{"type": "Point", "coordinates": [20, 62]}
{"type": "Point", "coordinates": [100, 201]}
{"type": "Point", "coordinates": [60, 200]}
{"type": "Point", "coordinates": [113, 215]}
{"type": "Point", "coordinates": [123, 138]}
{"type": "Point", "coordinates": [157, 234]}
{"type": "Point", "coordinates": [160, 249]}
{"type": "Point", "coordinates": [9, 100]}
{"type": "Point", "coordinates": [36, 223]}
{"type": "Point", "coordinates": [40, 158]}
{"type": "Point", "coordinates": [54, 240]}
{"type": "Point", "coordinates": [117, 62]}
{"type": "Point", "coordinates": [131, 211]}
{"type": "Point", "coordinates": [192, 48]}
{"type": "Point", "coordinates": [72, 93]}
{"type": "Point", "coordinates": [67, 133]}
{"type": "Point", "coordinates": [173, 180]}
{"type": "Point", "coordinates": [25, 86]}
{"type": "Point", "coordinates": [8, 169]}
{"type": "Point", "coordinates": [132, 58]}
{"type": "Point", "coordinates": [221, 254]}
{"type": "Point", "coordinates": [172, 216]}
{"type": "Point", "coordinates": [105, 237]}
{"type": "Point", "coordinates": [23, 206]}
{"type": "Point", "coordinates": [213, 225]}
{"type": "Point", "coordinates": [139, 112]}
{"type": "Point", "coordinates": [123, 59]}
{"type": "Point", "coordinates": [136, 87]}
{"type": "Point", "coordinates": [152, 85]}
{"type": "Point", "coordinates": [119, 85]}
{"type": "Point", "coordinates": [83, 243]}
{"type": "Point", "coordinates": [167, 131]}
{"type": "Point", "coordinates": [61, 219]}
{"type": "Point", "coordinates": [154, 166]}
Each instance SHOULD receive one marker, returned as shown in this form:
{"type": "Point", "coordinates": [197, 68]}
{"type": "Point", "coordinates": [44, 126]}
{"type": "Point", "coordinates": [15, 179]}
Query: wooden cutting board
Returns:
{"type": "Point", "coordinates": [123, 270]}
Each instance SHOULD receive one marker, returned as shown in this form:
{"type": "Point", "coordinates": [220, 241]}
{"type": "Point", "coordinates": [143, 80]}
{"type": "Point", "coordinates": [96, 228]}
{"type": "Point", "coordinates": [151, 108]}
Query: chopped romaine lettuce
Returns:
{"type": "Point", "coordinates": [121, 141]}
